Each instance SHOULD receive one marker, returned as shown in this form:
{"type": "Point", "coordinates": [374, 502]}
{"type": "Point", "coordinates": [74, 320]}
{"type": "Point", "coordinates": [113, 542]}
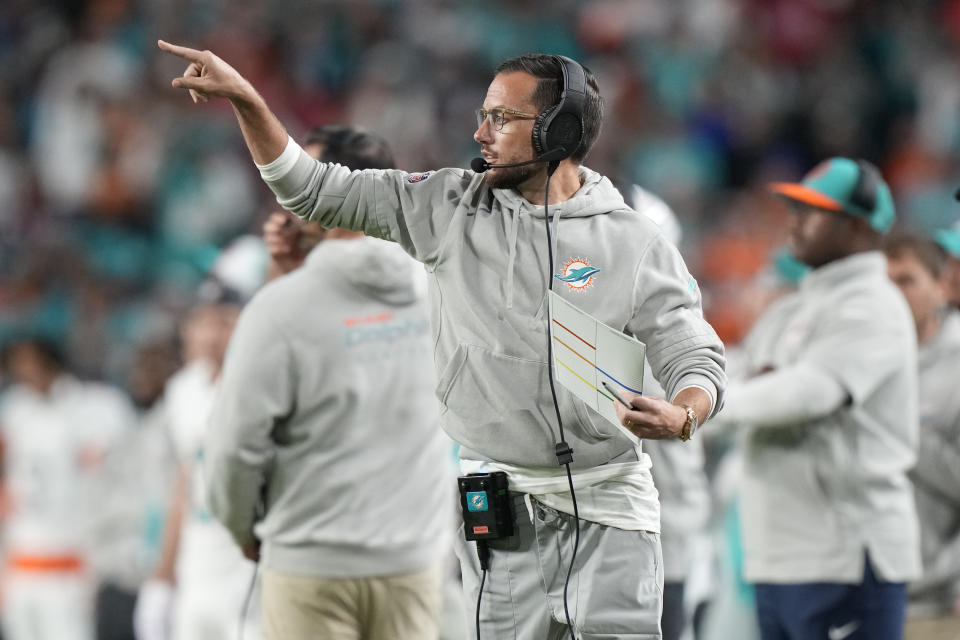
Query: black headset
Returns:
{"type": "Point", "coordinates": [561, 126]}
{"type": "Point", "coordinates": [864, 194]}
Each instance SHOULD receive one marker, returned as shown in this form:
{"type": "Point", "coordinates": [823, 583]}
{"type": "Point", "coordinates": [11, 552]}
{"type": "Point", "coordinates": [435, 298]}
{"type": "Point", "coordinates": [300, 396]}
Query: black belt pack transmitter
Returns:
{"type": "Point", "coordinates": [485, 503]}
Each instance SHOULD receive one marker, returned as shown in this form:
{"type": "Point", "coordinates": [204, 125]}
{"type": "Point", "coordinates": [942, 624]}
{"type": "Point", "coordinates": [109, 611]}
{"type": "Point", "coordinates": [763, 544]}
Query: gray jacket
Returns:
{"type": "Point", "coordinates": [326, 406]}
{"type": "Point", "coordinates": [485, 250]}
{"type": "Point", "coordinates": [936, 477]}
{"type": "Point", "coordinates": [819, 493]}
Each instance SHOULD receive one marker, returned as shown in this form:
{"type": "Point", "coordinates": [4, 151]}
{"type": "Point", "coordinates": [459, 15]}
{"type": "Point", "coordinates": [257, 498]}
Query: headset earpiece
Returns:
{"type": "Point", "coordinates": [864, 193]}
{"type": "Point", "coordinates": [538, 135]}
{"type": "Point", "coordinates": [561, 126]}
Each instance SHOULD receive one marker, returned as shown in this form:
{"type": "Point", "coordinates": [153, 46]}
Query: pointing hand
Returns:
{"type": "Point", "coordinates": [208, 75]}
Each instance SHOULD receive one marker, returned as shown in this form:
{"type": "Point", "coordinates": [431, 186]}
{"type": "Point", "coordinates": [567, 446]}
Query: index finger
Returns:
{"type": "Point", "coordinates": [187, 53]}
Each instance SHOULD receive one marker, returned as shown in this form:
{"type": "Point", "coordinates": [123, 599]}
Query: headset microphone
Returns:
{"type": "Point", "coordinates": [480, 165]}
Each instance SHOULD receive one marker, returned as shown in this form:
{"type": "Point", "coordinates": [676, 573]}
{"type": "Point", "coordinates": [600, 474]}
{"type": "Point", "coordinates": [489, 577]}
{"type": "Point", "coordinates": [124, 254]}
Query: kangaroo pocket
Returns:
{"type": "Point", "coordinates": [788, 510]}
{"type": "Point", "coordinates": [500, 407]}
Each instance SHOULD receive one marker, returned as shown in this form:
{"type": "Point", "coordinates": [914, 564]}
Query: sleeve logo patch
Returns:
{"type": "Point", "coordinates": [418, 177]}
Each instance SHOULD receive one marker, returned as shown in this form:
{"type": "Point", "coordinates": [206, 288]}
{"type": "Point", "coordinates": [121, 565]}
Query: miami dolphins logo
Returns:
{"type": "Point", "coordinates": [578, 273]}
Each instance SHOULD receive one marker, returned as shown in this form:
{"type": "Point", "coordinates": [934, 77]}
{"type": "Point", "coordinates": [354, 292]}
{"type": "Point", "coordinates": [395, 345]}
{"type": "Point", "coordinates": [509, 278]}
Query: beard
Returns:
{"type": "Point", "coordinates": [511, 177]}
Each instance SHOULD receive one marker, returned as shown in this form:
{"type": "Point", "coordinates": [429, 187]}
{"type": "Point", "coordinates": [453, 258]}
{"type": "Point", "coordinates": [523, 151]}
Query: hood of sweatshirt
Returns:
{"type": "Point", "coordinates": [596, 196]}
{"type": "Point", "coordinates": [380, 269]}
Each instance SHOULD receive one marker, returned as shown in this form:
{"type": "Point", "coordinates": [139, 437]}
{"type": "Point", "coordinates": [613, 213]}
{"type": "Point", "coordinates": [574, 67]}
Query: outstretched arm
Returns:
{"type": "Point", "coordinates": [380, 202]}
{"type": "Point", "coordinates": [207, 75]}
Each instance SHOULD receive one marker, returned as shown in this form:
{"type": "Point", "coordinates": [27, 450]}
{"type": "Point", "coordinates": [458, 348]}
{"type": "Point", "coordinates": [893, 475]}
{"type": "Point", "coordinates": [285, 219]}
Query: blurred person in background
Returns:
{"type": "Point", "coordinates": [351, 557]}
{"type": "Point", "coordinates": [133, 495]}
{"type": "Point", "coordinates": [202, 579]}
{"type": "Point", "coordinates": [949, 240]}
{"type": "Point", "coordinates": [289, 239]}
{"type": "Point", "coordinates": [481, 237]}
{"type": "Point", "coordinates": [771, 301]}
{"type": "Point", "coordinates": [916, 265]}
{"type": "Point", "coordinates": [56, 431]}
{"type": "Point", "coordinates": [830, 531]}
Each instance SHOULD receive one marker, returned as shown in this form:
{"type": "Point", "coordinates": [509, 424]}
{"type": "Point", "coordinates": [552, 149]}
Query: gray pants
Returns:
{"type": "Point", "coordinates": [616, 589]}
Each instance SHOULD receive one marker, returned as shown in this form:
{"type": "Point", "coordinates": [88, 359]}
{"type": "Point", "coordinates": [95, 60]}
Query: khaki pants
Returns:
{"type": "Point", "coordinates": [946, 627]}
{"type": "Point", "coordinates": [402, 607]}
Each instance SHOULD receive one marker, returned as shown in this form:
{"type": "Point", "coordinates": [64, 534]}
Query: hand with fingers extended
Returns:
{"type": "Point", "coordinates": [282, 235]}
{"type": "Point", "coordinates": [208, 75]}
{"type": "Point", "coordinates": [651, 418]}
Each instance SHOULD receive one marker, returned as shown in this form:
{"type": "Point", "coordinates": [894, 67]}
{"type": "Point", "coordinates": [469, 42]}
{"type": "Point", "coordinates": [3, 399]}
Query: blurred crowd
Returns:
{"type": "Point", "coordinates": [119, 198]}
{"type": "Point", "coordinates": [115, 196]}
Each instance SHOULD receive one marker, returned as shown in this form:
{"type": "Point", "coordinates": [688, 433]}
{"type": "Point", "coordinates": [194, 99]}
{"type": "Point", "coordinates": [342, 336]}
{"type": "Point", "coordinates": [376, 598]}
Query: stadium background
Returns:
{"type": "Point", "coordinates": [116, 192]}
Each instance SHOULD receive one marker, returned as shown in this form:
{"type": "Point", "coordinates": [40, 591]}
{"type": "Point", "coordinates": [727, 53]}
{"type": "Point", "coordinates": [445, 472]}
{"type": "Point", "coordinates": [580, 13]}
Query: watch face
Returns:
{"type": "Point", "coordinates": [690, 425]}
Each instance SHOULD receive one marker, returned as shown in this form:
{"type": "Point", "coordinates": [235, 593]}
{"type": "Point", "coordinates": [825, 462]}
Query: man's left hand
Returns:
{"type": "Point", "coordinates": [251, 550]}
{"type": "Point", "coordinates": [651, 418]}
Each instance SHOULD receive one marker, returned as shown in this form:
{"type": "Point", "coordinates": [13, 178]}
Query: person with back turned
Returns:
{"type": "Point", "coordinates": [352, 556]}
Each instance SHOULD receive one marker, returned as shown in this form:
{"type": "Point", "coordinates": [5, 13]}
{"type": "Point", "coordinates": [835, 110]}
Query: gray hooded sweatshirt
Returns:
{"type": "Point", "coordinates": [936, 476]}
{"type": "Point", "coordinates": [326, 405]}
{"type": "Point", "coordinates": [486, 252]}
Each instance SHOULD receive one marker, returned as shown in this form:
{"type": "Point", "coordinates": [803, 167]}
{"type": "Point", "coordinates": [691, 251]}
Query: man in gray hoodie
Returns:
{"type": "Point", "coordinates": [357, 514]}
{"type": "Point", "coordinates": [916, 265]}
{"type": "Point", "coordinates": [482, 239]}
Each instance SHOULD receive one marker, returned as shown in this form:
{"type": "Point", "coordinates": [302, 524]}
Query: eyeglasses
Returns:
{"type": "Point", "coordinates": [498, 117]}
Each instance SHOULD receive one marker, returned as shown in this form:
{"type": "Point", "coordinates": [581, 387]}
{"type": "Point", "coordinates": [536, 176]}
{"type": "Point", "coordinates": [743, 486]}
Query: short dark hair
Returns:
{"type": "Point", "coordinates": [325, 133]}
{"type": "Point", "coordinates": [549, 74]}
{"type": "Point", "coordinates": [930, 254]}
{"type": "Point", "coordinates": [352, 147]}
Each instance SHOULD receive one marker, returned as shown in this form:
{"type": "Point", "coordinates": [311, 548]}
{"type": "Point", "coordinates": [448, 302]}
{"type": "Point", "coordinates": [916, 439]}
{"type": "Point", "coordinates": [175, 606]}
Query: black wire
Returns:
{"type": "Point", "coordinates": [556, 406]}
{"type": "Point", "coordinates": [483, 579]}
{"type": "Point", "coordinates": [576, 545]}
{"type": "Point", "coordinates": [483, 554]}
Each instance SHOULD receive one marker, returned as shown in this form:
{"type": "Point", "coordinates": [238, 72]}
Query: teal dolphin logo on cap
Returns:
{"type": "Point", "coordinates": [854, 187]}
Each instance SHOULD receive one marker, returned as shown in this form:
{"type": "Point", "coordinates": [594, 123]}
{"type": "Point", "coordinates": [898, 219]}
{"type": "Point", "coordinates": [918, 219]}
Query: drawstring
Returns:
{"type": "Point", "coordinates": [555, 232]}
{"type": "Point", "coordinates": [512, 255]}
{"type": "Point", "coordinates": [513, 231]}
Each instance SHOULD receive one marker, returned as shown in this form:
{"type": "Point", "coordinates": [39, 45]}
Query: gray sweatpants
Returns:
{"type": "Point", "coordinates": [616, 589]}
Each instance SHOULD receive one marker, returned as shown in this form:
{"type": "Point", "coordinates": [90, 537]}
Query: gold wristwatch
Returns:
{"type": "Point", "coordinates": [690, 426]}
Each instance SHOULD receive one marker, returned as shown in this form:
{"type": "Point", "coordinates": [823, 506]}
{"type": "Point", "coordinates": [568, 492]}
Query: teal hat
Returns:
{"type": "Point", "coordinates": [949, 239]}
{"type": "Point", "coordinates": [854, 187]}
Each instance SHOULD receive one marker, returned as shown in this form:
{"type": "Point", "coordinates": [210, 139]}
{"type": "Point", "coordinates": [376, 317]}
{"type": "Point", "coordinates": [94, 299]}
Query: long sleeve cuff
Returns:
{"type": "Point", "coordinates": [700, 382]}
{"type": "Point", "coordinates": [283, 163]}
